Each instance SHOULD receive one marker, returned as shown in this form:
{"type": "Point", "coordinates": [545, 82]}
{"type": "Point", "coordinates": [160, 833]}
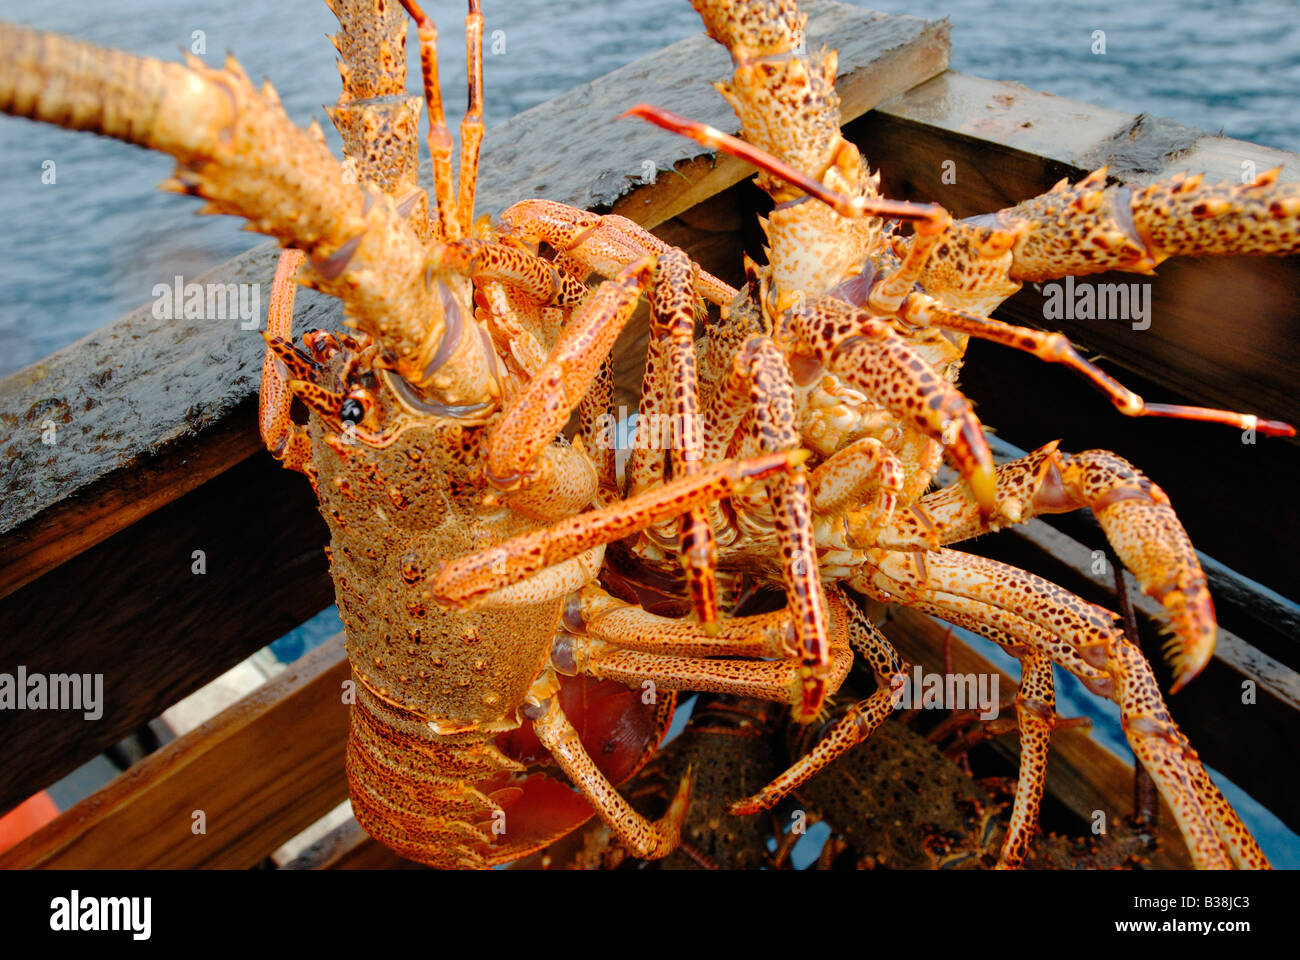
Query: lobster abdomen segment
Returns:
{"type": "Point", "coordinates": [465, 801]}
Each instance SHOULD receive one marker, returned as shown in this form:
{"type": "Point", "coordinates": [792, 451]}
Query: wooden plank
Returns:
{"type": "Point", "coordinates": [1081, 773]}
{"type": "Point", "coordinates": [133, 610]}
{"type": "Point", "coordinates": [260, 771]}
{"type": "Point", "coordinates": [141, 404]}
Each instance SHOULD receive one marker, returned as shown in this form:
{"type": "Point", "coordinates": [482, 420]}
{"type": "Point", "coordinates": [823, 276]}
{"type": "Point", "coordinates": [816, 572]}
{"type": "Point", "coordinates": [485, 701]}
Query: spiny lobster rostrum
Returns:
{"type": "Point", "coordinates": [468, 534]}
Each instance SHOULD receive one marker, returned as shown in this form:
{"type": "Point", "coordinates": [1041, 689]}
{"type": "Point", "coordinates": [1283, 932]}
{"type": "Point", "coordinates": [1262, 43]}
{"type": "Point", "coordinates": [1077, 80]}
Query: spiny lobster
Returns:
{"type": "Point", "coordinates": [847, 342]}
{"type": "Point", "coordinates": [460, 518]}
{"type": "Point", "coordinates": [434, 427]}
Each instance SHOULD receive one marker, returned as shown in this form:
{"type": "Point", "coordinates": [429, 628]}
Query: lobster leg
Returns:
{"type": "Point", "coordinates": [759, 372]}
{"type": "Point", "coordinates": [867, 354]}
{"type": "Point", "coordinates": [1155, 739]}
{"type": "Point", "coordinates": [625, 643]}
{"type": "Point", "coordinates": [1036, 649]}
{"type": "Point", "coordinates": [508, 319]}
{"type": "Point", "coordinates": [1088, 227]}
{"type": "Point", "coordinates": [1134, 513]}
{"type": "Point", "coordinates": [1036, 712]}
{"type": "Point", "coordinates": [485, 260]}
{"type": "Point", "coordinates": [931, 215]}
{"type": "Point", "coordinates": [924, 310]}
{"type": "Point", "coordinates": [464, 582]}
{"type": "Point", "coordinates": [539, 411]}
{"type": "Point", "coordinates": [288, 442]}
{"type": "Point", "coordinates": [645, 466]}
{"type": "Point", "coordinates": [596, 614]}
{"type": "Point", "coordinates": [439, 137]}
{"type": "Point", "coordinates": [471, 127]}
{"type": "Point", "coordinates": [839, 485]}
{"type": "Point", "coordinates": [596, 405]}
{"type": "Point", "coordinates": [853, 728]}
{"type": "Point", "coordinates": [604, 244]}
{"type": "Point", "coordinates": [650, 841]}
{"type": "Point", "coordinates": [672, 323]}
{"type": "Point", "coordinates": [778, 680]}
{"type": "Point", "coordinates": [1018, 636]}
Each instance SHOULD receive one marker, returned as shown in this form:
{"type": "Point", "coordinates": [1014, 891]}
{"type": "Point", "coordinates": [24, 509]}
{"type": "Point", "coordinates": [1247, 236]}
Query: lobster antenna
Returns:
{"type": "Point", "coordinates": [471, 128]}
{"type": "Point", "coordinates": [927, 216]}
{"type": "Point", "coordinates": [439, 139]}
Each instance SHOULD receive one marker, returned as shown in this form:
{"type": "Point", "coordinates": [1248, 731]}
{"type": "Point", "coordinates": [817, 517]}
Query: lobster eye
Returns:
{"type": "Point", "coordinates": [352, 412]}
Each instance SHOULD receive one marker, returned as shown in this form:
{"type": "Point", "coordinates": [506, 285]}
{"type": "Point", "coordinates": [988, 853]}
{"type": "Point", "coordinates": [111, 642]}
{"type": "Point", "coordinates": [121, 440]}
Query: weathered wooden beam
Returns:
{"type": "Point", "coordinates": [156, 452]}
{"type": "Point", "coordinates": [258, 773]}
{"type": "Point", "coordinates": [134, 610]}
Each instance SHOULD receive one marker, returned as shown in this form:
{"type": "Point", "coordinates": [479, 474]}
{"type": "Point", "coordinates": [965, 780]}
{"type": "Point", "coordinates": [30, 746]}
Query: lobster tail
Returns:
{"type": "Point", "coordinates": [412, 789]}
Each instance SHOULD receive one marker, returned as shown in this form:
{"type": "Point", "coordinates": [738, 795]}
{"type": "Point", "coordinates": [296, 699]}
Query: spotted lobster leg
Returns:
{"type": "Point", "coordinates": [853, 728]}
{"type": "Point", "coordinates": [1088, 227]}
{"type": "Point", "coordinates": [671, 386]}
{"type": "Point", "coordinates": [540, 410]}
{"type": "Point", "coordinates": [288, 442]}
{"type": "Point", "coordinates": [645, 839]}
{"type": "Point", "coordinates": [455, 207]}
{"type": "Point", "coordinates": [867, 354]}
{"type": "Point", "coordinates": [923, 310]}
{"type": "Point", "coordinates": [618, 641]}
{"type": "Point", "coordinates": [1135, 514]}
{"type": "Point", "coordinates": [474, 579]}
{"type": "Point", "coordinates": [1215, 835]}
{"type": "Point", "coordinates": [761, 387]}
{"type": "Point", "coordinates": [604, 244]}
